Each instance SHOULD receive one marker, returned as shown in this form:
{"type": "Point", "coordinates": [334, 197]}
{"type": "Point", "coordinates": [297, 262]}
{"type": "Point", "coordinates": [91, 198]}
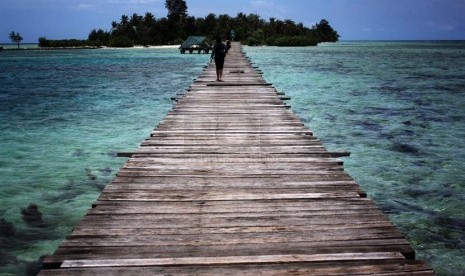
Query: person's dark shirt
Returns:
{"type": "Point", "coordinates": [219, 51]}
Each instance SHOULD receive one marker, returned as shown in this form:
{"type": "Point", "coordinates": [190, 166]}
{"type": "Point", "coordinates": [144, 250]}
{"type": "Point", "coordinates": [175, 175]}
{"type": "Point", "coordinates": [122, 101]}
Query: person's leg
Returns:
{"type": "Point", "coordinates": [219, 68]}
{"type": "Point", "coordinates": [221, 65]}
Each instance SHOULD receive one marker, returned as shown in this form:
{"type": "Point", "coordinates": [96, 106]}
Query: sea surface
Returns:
{"type": "Point", "coordinates": [21, 46]}
{"type": "Point", "coordinates": [398, 107]}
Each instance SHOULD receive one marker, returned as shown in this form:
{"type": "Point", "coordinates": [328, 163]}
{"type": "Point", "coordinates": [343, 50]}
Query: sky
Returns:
{"type": "Point", "coordinates": [353, 19]}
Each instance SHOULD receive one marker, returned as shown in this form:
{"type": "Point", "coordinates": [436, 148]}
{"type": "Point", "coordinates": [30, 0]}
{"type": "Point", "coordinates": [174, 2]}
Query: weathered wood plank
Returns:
{"type": "Point", "coordinates": [340, 268]}
{"type": "Point", "coordinates": [314, 247]}
{"type": "Point", "coordinates": [147, 196]}
{"type": "Point", "coordinates": [231, 182]}
{"type": "Point", "coordinates": [274, 259]}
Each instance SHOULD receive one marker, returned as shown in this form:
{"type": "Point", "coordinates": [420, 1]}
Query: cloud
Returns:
{"type": "Point", "coordinates": [268, 8]}
{"type": "Point", "coordinates": [263, 4]}
{"type": "Point", "coordinates": [133, 2]}
{"type": "Point", "coordinates": [84, 6]}
{"type": "Point", "coordinates": [89, 5]}
{"type": "Point", "coordinates": [367, 30]}
{"type": "Point", "coordinates": [440, 26]}
{"type": "Point", "coordinates": [144, 2]}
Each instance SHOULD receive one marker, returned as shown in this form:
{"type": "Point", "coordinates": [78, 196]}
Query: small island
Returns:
{"type": "Point", "coordinates": [250, 29]}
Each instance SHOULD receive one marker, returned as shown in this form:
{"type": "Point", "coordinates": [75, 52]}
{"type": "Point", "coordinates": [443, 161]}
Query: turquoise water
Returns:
{"type": "Point", "coordinates": [21, 46]}
{"type": "Point", "coordinates": [64, 116]}
{"type": "Point", "coordinates": [398, 107]}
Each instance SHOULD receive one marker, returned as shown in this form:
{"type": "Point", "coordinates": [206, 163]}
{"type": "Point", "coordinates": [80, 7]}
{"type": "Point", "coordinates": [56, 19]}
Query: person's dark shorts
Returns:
{"type": "Point", "coordinates": [219, 63]}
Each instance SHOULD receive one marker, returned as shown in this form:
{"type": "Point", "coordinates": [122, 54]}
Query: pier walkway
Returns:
{"type": "Point", "coordinates": [232, 183]}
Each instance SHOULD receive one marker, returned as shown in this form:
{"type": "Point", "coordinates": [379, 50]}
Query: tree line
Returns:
{"type": "Point", "coordinates": [250, 29]}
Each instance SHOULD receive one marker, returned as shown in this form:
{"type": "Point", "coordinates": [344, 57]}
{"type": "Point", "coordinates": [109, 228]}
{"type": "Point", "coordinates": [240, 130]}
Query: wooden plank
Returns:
{"type": "Point", "coordinates": [297, 258]}
{"type": "Point", "coordinates": [145, 196]}
{"type": "Point", "coordinates": [145, 251]}
{"type": "Point", "coordinates": [378, 267]}
{"type": "Point", "coordinates": [232, 182]}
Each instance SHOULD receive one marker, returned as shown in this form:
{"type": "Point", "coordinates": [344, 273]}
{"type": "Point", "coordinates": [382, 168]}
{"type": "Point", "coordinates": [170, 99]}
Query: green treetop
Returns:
{"type": "Point", "coordinates": [16, 38]}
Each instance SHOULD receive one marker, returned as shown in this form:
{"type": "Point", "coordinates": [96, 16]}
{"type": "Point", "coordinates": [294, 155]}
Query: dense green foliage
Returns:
{"type": "Point", "coordinates": [177, 10]}
{"type": "Point", "coordinates": [297, 40]}
{"type": "Point", "coordinates": [178, 25]}
{"type": "Point", "coordinates": [63, 43]}
{"type": "Point", "coordinates": [121, 42]}
{"type": "Point", "coordinates": [250, 29]}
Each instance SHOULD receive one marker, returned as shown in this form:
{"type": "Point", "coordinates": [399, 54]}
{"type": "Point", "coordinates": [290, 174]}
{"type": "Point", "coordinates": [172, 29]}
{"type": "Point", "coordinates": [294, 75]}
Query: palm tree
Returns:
{"type": "Point", "coordinates": [149, 19]}
{"type": "Point", "coordinates": [114, 25]}
{"type": "Point", "coordinates": [16, 38]}
{"type": "Point", "coordinates": [124, 20]}
{"type": "Point", "coordinates": [177, 10]}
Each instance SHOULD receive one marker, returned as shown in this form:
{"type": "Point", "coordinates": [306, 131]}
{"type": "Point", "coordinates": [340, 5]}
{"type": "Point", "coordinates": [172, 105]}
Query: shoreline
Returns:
{"type": "Point", "coordinates": [37, 48]}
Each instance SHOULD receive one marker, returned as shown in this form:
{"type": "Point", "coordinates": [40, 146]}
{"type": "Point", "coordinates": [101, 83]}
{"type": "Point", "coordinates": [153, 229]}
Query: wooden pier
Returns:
{"type": "Point", "coordinates": [232, 183]}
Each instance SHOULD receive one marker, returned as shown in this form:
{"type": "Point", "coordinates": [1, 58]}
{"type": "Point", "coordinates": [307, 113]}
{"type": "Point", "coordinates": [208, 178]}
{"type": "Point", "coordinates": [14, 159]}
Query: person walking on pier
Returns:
{"type": "Point", "coordinates": [219, 53]}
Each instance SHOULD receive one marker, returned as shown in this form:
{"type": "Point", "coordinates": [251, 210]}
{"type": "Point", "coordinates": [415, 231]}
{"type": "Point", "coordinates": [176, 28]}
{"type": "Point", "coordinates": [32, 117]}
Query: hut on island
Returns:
{"type": "Point", "coordinates": [195, 43]}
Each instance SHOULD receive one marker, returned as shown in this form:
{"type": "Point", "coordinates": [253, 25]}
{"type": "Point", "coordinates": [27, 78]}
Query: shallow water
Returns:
{"type": "Point", "coordinates": [398, 107]}
{"type": "Point", "coordinates": [65, 115]}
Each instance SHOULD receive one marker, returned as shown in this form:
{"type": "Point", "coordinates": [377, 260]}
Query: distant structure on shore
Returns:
{"type": "Point", "coordinates": [195, 43]}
